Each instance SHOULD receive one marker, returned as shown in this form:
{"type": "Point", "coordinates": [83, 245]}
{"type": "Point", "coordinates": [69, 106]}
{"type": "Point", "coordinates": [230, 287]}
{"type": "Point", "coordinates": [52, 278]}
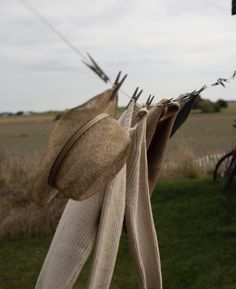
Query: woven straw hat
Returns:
{"type": "Point", "coordinates": [86, 150]}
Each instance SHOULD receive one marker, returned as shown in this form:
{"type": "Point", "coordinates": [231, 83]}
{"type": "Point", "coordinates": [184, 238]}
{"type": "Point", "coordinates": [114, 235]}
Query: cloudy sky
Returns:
{"type": "Point", "coordinates": [167, 47]}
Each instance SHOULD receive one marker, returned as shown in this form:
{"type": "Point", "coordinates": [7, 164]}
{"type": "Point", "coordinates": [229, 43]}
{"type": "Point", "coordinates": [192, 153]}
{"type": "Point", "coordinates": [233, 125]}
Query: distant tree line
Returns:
{"type": "Point", "coordinates": [208, 106]}
{"type": "Point", "coordinates": [28, 113]}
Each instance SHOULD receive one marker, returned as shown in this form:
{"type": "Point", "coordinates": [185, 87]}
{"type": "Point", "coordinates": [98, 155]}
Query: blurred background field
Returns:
{"type": "Point", "coordinates": [204, 133]}
{"type": "Point", "coordinates": [196, 222]}
{"type": "Point", "coordinates": [23, 139]}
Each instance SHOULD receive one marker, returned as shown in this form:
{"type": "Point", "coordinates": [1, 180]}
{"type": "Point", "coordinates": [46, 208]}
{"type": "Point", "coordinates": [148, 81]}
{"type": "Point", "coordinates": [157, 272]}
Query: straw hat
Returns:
{"type": "Point", "coordinates": [86, 150]}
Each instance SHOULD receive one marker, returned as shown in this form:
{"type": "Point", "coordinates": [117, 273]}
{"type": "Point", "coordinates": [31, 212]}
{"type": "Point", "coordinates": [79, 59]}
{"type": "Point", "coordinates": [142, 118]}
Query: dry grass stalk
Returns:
{"type": "Point", "coordinates": [19, 217]}
{"type": "Point", "coordinates": [184, 166]}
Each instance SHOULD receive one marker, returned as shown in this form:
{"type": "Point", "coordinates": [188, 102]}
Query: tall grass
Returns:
{"type": "Point", "coordinates": [184, 166]}
{"type": "Point", "coordinates": [19, 216]}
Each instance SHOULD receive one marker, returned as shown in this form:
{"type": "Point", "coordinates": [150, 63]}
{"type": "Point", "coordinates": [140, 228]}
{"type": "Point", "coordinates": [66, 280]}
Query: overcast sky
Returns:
{"type": "Point", "coordinates": [167, 47]}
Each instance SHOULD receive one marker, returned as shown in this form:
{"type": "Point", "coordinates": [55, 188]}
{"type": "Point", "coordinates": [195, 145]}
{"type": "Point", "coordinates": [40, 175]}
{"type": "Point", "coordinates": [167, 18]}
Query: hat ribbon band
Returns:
{"type": "Point", "coordinates": [69, 144]}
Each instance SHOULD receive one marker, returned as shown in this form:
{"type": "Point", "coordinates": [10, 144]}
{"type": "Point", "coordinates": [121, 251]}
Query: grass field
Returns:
{"type": "Point", "coordinates": [202, 134]}
{"type": "Point", "coordinates": [196, 226]}
{"type": "Point", "coordinates": [24, 135]}
{"type": "Point", "coordinates": [206, 134]}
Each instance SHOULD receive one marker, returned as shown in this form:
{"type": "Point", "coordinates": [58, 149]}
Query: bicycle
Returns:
{"type": "Point", "coordinates": [225, 169]}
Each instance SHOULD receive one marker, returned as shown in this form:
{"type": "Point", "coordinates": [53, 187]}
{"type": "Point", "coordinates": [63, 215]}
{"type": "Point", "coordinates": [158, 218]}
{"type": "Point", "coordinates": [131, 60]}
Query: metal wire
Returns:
{"type": "Point", "coordinates": [62, 37]}
{"type": "Point", "coordinates": [52, 28]}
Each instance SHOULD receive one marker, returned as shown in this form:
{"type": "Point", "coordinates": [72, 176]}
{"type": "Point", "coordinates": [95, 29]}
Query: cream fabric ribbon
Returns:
{"type": "Point", "coordinates": [138, 213]}
{"type": "Point", "coordinates": [110, 224]}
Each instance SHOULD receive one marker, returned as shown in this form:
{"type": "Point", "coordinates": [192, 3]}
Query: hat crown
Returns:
{"type": "Point", "coordinates": [104, 102]}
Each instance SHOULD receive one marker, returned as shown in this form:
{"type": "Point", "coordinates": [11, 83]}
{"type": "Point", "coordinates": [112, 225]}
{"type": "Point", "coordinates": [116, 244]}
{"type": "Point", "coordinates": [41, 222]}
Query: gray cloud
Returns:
{"type": "Point", "coordinates": [157, 42]}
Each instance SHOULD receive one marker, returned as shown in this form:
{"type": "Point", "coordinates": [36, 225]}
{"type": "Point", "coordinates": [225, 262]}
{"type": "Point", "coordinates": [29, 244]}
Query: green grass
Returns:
{"type": "Point", "coordinates": [196, 226]}
{"type": "Point", "coordinates": [197, 233]}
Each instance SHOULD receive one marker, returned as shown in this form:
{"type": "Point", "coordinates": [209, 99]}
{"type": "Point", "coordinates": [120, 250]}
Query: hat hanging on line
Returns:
{"type": "Point", "coordinates": [187, 102]}
{"type": "Point", "coordinates": [86, 150]}
{"type": "Point", "coordinates": [159, 142]}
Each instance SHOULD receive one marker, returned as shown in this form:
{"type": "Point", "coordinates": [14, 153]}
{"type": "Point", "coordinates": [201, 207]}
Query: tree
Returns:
{"type": "Point", "coordinates": [19, 113]}
{"type": "Point", "coordinates": [208, 106]}
{"type": "Point", "coordinates": [222, 103]}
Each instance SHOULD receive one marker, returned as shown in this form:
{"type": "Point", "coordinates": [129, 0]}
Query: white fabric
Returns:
{"type": "Point", "coordinates": [138, 214]}
{"type": "Point", "coordinates": [111, 223]}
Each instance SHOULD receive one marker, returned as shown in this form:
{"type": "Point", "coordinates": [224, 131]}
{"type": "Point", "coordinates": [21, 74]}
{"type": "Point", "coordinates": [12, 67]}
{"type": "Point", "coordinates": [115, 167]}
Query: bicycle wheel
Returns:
{"type": "Point", "coordinates": [221, 168]}
{"type": "Point", "coordinates": [231, 172]}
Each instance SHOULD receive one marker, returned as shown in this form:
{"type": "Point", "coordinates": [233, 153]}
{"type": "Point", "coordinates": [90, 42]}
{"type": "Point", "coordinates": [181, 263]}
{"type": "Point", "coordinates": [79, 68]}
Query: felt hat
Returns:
{"type": "Point", "coordinates": [159, 142]}
{"type": "Point", "coordinates": [153, 117]}
{"type": "Point", "coordinates": [85, 151]}
{"type": "Point", "coordinates": [185, 109]}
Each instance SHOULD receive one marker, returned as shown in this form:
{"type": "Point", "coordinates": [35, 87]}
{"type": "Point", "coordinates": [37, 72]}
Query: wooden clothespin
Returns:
{"type": "Point", "coordinates": [135, 95]}
{"type": "Point", "coordinates": [118, 83]}
{"type": "Point", "coordinates": [96, 68]}
{"type": "Point", "coordinates": [149, 101]}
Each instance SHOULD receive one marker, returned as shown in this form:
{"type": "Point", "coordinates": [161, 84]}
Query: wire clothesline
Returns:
{"type": "Point", "coordinates": [51, 27]}
{"type": "Point", "coordinates": [64, 39]}
{"type": "Point", "coordinates": [92, 64]}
